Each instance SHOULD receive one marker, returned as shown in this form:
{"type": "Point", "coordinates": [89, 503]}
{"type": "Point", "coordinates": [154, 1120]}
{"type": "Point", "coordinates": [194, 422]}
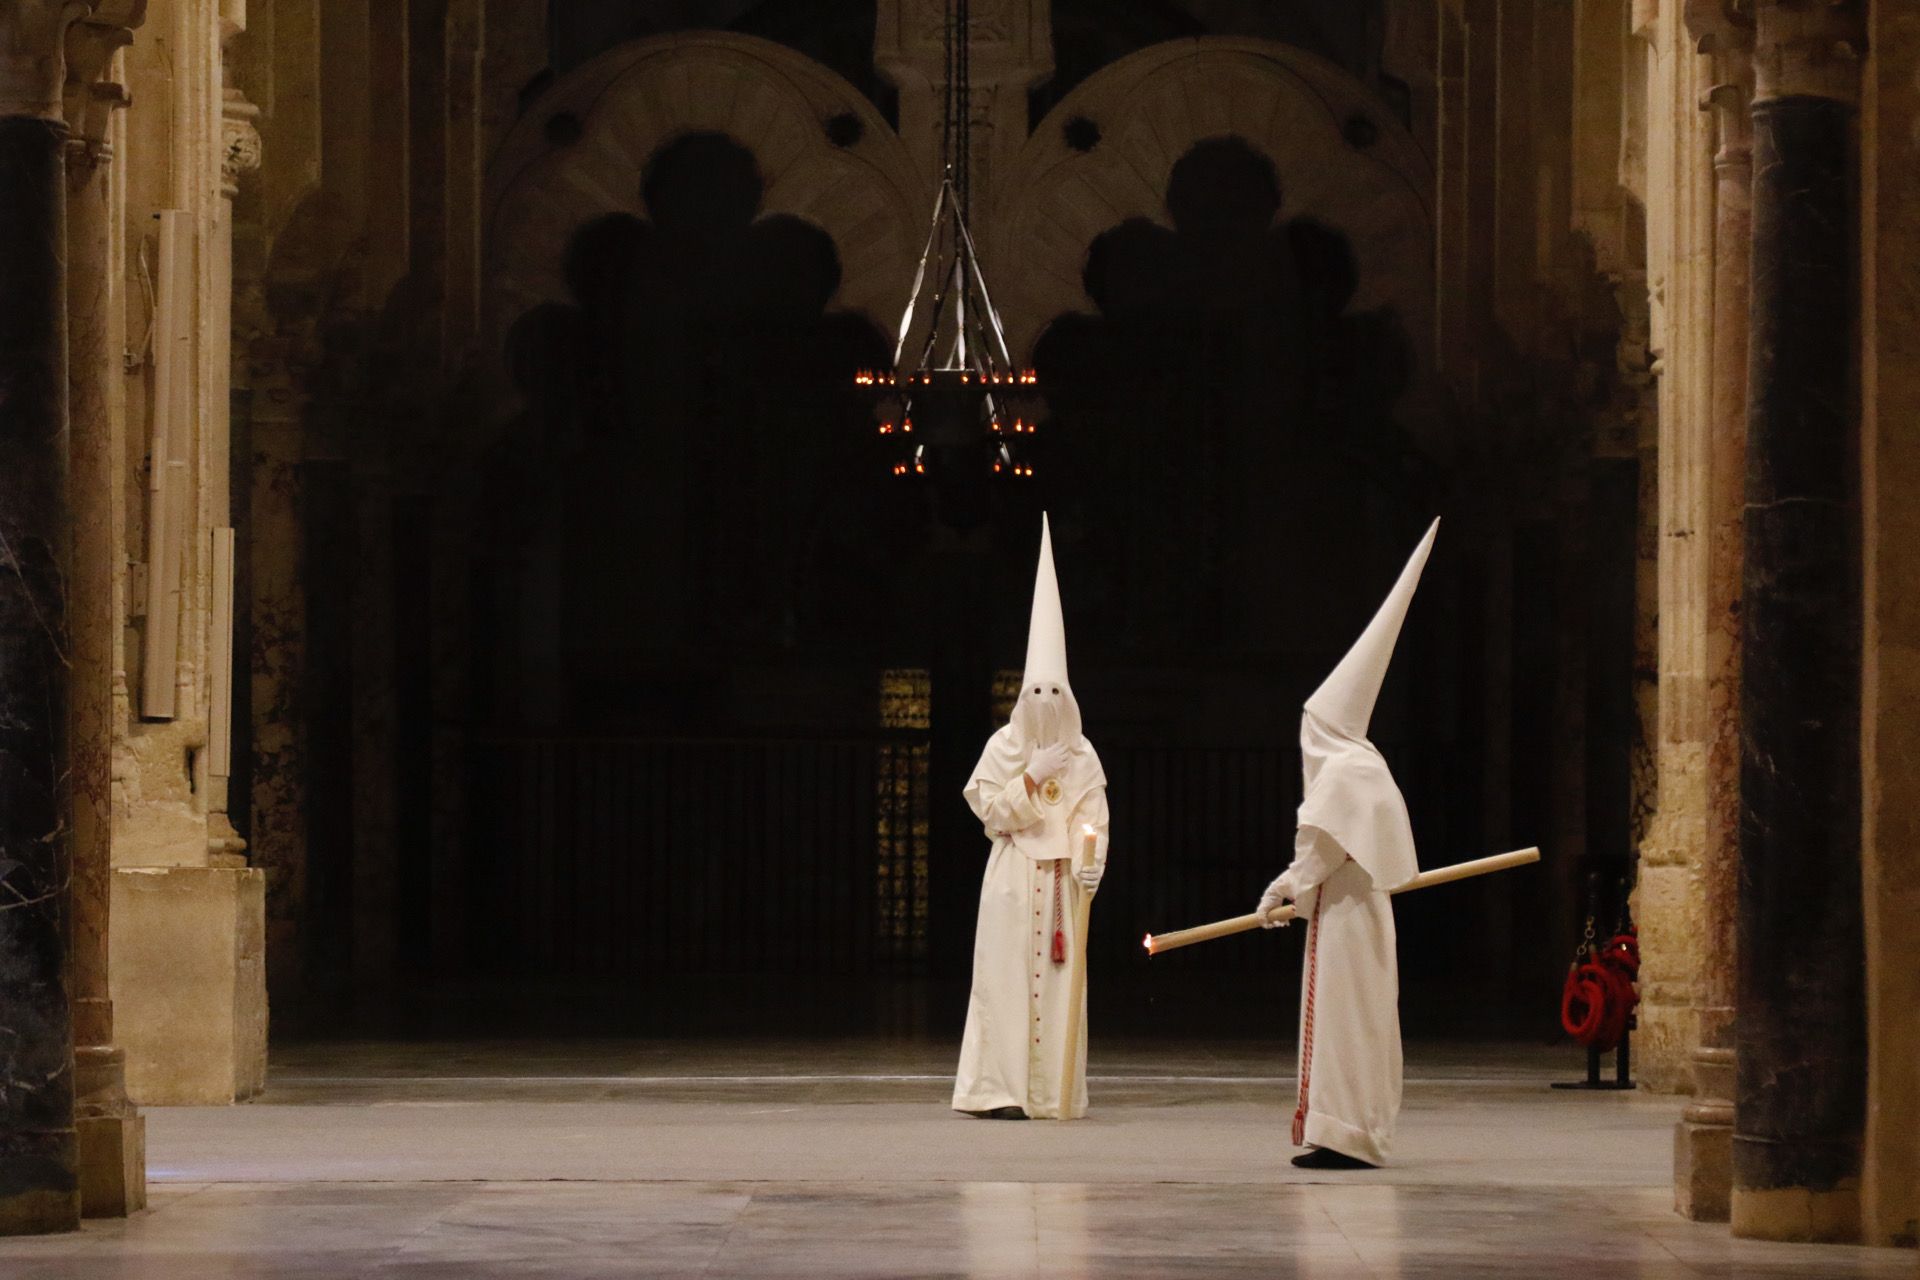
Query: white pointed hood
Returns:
{"type": "Point", "coordinates": [1044, 713]}
{"type": "Point", "coordinates": [1350, 792]}
{"type": "Point", "coordinates": [1344, 700]}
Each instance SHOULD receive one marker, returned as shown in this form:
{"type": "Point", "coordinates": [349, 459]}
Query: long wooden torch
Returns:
{"type": "Point", "coordinates": [1159, 942]}
{"type": "Point", "coordinates": [1077, 979]}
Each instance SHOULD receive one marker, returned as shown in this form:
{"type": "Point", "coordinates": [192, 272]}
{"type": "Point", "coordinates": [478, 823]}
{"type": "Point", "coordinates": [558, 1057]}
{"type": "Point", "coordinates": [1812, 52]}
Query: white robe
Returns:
{"type": "Point", "coordinates": [1349, 1062]}
{"type": "Point", "coordinates": [1015, 1043]}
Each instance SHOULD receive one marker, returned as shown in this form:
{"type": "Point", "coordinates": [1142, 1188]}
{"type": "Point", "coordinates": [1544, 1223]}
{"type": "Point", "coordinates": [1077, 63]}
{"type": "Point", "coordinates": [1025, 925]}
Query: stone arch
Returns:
{"type": "Point", "coordinates": [579, 152]}
{"type": "Point", "coordinates": [1104, 155]}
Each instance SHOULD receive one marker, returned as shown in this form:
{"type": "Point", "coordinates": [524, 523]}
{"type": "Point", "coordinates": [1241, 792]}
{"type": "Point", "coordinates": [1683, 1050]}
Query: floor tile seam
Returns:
{"type": "Point", "coordinates": [811, 1078]}
{"type": "Point", "coordinates": [174, 1201]}
{"type": "Point", "coordinates": [1033, 1225]}
{"type": "Point", "coordinates": [721, 1180]}
{"type": "Point", "coordinates": [397, 1252]}
{"type": "Point", "coordinates": [725, 1241]}
{"type": "Point", "coordinates": [1320, 1207]}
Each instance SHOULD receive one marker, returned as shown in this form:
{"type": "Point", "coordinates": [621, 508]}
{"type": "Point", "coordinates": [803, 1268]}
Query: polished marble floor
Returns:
{"type": "Point", "coordinates": [726, 1158]}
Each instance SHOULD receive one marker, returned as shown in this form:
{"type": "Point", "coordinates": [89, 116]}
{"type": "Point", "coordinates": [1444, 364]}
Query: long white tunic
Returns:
{"type": "Point", "coordinates": [1350, 1064]}
{"type": "Point", "coordinates": [1015, 1044]}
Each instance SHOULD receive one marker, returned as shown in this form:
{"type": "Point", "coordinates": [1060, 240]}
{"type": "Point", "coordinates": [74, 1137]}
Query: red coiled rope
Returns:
{"type": "Point", "coordinates": [1599, 996]}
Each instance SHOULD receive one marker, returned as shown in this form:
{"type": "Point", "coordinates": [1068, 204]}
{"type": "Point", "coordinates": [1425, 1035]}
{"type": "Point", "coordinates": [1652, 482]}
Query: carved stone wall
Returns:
{"type": "Point", "coordinates": [189, 140]}
{"type": "Point", "coordinates": [1103, 155]}
{"type": "Point", "coordinates": [579, 152]}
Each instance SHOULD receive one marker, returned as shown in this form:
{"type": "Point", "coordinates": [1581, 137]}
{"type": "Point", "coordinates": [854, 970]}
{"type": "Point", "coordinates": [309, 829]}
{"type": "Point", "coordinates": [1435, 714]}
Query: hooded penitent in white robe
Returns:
{"type": "Point", "coordinates": [1353, 846]}
{"type": "Point", "coordinates": [1015, 1044]}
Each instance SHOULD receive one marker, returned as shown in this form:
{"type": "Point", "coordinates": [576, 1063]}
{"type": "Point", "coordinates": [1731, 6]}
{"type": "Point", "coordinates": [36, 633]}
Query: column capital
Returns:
{"type": "Point", "coordinates": [33, 74]}
{"type": "Point", "coordinates": [1808, 49]}
{"type": "Point", "coordinates": [240, 147]}
{"type": "Point", "coordinates": [1721, 28]}
{"type": "Point", "coordinates": [89, 98]}
{"type": "Point", "coordinates": [1723, 32]}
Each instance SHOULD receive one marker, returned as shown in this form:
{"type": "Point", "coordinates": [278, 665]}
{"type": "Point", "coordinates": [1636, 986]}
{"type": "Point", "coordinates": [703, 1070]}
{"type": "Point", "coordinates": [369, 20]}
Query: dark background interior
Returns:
{"type": "Point", "coordinates": [728, 675]}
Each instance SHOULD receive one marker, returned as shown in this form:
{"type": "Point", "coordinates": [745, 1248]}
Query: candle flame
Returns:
{"type": "Point", "coordinates": [1147, 942]}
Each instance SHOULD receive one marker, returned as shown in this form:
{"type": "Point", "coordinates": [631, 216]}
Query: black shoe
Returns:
{"type": "Point", "coordinates": [999, 1113]}
{"type": "Point", "coordinates": [1328, 1158]}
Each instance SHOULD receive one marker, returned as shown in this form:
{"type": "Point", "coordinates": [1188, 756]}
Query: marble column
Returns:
{"type": "Point", "coordinates": [1703, 1139]}
{"type": "Point", "coordinates": [111, 1133]}
{"type": "Point", "coordinates": [39, 1162]}
{"type": "Point", "coordinates": [1801, 1072]}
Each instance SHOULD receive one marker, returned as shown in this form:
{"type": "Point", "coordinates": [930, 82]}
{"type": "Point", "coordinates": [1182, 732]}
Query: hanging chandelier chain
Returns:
{"type": "Point", "coordinates": [965, 366]}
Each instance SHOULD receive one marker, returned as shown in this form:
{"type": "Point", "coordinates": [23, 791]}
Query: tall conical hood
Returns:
{"type": "Point", "coordinates": [1344, 700]}
{"type": "Point", "coordinates": [1047, 628]}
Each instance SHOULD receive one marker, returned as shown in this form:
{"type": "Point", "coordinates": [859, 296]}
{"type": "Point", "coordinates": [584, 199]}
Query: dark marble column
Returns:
{"type": "Point", "coordinates": [1800, 1037]}
{"type": "Point", "coordinates": [39, 1184]}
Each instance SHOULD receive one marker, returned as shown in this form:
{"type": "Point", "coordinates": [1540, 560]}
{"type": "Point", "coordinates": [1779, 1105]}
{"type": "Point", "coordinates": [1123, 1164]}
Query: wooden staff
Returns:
{"type": "Point", "coordinates": [1077, 979]}
{"type": "Point", "coordinates": [1157, 943]}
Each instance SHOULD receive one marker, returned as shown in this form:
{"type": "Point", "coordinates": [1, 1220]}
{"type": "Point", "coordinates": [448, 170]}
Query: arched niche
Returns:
{"type": "Point", "coordinates": [824, 153]}
{"type": "Point", "coordinates": [1105, 154]}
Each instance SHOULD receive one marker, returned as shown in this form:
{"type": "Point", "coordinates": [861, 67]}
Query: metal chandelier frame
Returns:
{"type": "Point", "coordinates": [964, 372]}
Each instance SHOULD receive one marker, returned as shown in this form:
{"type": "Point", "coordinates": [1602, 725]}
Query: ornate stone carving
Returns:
{"type": "Point", "coordinates": [239, 141]}
{"type": "Point", "coordinates": [89, 99]}
{"type": "Point", "coordinates": [1723, 30]}
{"type": "Point", "coordinates": [1807, 48]}
{"type": "Point", "coordinates": [987, 22]}
{"type": "Point", "coordinates": [33, 55]}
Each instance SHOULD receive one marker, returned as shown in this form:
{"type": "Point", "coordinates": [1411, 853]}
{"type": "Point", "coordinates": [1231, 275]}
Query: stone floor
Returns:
{"type": "Point", "coordinates": [722, 1158]}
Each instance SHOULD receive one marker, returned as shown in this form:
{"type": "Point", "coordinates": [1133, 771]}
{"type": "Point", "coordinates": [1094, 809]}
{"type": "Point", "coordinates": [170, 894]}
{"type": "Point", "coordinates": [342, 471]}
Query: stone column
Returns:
{"type": "Point", "coordinates": [1702, 1169]}
{"type": "Point", "coordinates": [1800, 1078]}
{"type": "Point", "coordinates": [186, 981]}
{"type": "Point", "coordinates": [39, 1162]}
{"type": "Point", "coordinates": [1676, 143]}
{"type": "Point", "coordinates": [111, 1134]}
{"type": "Point", "coordinates": [240, 154]}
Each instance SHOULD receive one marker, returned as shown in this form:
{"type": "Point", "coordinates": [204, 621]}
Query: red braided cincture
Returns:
{"type": "Point", "coordinates": [1059, 915]}
{"type": "Point", "coordinates": [1306, 1028]}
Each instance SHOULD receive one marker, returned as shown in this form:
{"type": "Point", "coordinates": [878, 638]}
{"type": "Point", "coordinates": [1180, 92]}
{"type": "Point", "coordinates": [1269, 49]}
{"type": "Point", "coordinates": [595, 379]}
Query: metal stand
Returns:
{"type": "Point", "coordinates": [1622, 1067]}
{"type": "Point", "coordinates": [1623, 1052]}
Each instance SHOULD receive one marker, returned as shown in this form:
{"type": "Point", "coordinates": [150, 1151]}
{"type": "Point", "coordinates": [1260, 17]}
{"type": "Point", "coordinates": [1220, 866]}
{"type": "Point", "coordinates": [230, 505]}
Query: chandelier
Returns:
{"type": "Point", "coordinates": [959, 402]}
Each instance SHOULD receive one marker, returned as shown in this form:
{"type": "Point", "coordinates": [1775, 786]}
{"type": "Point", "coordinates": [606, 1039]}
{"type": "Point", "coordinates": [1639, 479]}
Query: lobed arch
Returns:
{"type": "Point", "coordinates": [824, 153]}
{"type": "Point", "coordinates": [1341, 159]}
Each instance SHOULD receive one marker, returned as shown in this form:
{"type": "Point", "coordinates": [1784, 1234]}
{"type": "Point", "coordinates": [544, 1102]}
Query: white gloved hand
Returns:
{"type": "Point", "coordinates": [1047, 762]}
{"type": "Point", "coordinates": [1279, 892]}
{"type": "Point", "coordinates": [1089, 876]}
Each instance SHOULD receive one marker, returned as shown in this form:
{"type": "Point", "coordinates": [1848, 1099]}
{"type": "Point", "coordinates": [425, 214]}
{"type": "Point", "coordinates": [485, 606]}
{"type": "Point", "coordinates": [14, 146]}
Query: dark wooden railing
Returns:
{"type": "Point", "coordinates": [613, 856]}
{"type": "Point", "coordinates": [616, 856]}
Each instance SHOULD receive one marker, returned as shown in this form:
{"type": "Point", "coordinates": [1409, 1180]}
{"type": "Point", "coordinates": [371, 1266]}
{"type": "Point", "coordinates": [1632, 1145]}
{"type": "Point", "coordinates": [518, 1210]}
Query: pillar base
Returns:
{"type": "Point", "coordinates": [189, 983]}
{"type": "Point", "coordinates": [1798, 1214]}
{"type": "Point", "coordinates": [1703, 1140]}
{"type": "Point", "coordinates": [39, 1213]}
{"type": "Point", "coordinates": [113, 1137]}
{"type": "Point", "coordinates": [113, 1165]}
{"type": "Point", "coordinates": [1703, 1162]}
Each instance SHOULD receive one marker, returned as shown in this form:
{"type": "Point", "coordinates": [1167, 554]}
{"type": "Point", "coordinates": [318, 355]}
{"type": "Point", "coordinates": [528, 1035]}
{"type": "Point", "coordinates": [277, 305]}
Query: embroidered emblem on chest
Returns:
{"type": "Point", "coordinates": [1050, 791]}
